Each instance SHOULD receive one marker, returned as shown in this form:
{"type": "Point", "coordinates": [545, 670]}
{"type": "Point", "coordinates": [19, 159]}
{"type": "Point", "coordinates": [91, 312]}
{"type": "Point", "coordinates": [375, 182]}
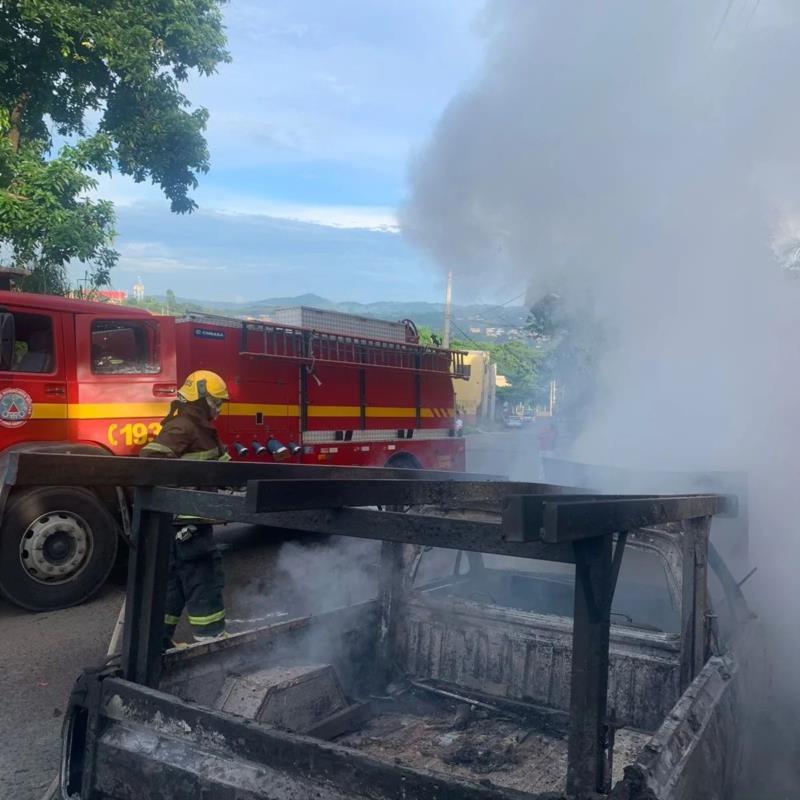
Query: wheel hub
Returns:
{"type": "Point", "coordinates": [55, 547]}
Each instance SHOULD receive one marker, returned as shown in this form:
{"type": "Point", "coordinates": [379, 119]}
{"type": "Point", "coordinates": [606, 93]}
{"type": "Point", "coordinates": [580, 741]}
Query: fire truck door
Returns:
{"type": "Point", "coordinates": [126, 379]}
{"type": "Point", "coordinates": [33, 387]}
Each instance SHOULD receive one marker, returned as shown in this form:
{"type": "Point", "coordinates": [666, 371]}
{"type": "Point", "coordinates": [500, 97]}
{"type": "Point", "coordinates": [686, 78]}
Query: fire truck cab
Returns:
{"type": "Point", "coordinates": [79, 376]}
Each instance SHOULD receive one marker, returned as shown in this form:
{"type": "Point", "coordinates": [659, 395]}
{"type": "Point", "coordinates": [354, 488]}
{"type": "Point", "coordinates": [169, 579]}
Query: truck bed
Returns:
{"type": "Point", "coordinates": [507, 753]}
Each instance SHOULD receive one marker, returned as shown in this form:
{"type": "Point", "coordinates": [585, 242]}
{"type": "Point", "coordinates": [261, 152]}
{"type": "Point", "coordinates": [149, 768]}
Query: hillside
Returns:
{"type": "Point", "coordinates": [479, 321]}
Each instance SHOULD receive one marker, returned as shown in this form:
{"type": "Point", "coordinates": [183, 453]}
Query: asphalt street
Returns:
{"type": "Point", "coordinates": [41, 654]}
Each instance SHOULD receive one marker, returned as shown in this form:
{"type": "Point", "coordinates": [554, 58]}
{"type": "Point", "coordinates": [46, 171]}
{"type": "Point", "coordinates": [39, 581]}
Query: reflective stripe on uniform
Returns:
{"type": "Point", "coordinates": [208, 620]}
{"type": "Point", "coordinates": [169, 619]}
{"type": "Point", "coordinates": [157, 447]}
{"type": "Point", "coordinates": [202, 455]}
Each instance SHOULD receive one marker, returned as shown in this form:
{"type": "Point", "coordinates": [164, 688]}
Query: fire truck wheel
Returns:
{"type": "Point", "coordinates": [58, 546]}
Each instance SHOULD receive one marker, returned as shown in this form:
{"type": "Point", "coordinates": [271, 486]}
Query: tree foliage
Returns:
{"type": "Point", "coordinates": [519, 362]}
{"type": "Point", "coordinates": [428, 336]}
{"type": "Point", "coordinates": [107, 73]}
{"type": "Point", "coordinates": [123, 60]}
{"type": "Point", "coordinates": [46, 220]}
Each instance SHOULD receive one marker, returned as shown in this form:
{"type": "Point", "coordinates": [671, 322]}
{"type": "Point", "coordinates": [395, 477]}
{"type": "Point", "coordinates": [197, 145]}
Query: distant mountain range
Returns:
{"type": "Point", "coordinates": [467, 318]}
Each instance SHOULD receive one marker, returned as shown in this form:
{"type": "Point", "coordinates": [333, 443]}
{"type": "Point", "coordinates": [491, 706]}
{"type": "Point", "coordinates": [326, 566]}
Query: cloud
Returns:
{"type": "Point", "coordinates": [147, 257]}
{"type": "Point", "coordinates": [344, 81]}
{"type": "Point", "coordinates": [213, 255]}
{"type": "Point", "coordinates": [310, 127]}
{"type": "Point", "coordinates": [369, 218]}
{"type": "Point", "coordinates": [124, 192]}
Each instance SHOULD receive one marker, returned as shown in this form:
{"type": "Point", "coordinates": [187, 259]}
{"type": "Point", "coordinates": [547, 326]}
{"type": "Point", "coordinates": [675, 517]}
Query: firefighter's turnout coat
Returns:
{"type": "Point", "coordinates": [196, 578]}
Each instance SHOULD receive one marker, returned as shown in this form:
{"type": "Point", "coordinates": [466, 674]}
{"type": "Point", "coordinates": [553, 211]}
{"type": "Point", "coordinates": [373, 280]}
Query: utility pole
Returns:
{"type": "Point", "coordinates": [448, 298]}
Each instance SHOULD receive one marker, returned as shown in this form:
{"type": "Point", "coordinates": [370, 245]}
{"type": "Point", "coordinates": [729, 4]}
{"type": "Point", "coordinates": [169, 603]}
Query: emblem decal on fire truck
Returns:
{"type": "Point", "coordinates": [16, 407]}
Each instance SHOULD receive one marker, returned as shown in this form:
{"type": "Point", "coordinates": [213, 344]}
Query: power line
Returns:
{"type": "Point", "coordinates": [517, 297]}
{"type": "Point", "coordinates": [753, 13]}
{"type": "Point", "coordinates": [507, 302]}
{"type": "Point", "coordinates": [503, 305]}
{"type": "Point", "coordinates": [723, 21]}
{"type": "Point", "coordinates": [467, 336]}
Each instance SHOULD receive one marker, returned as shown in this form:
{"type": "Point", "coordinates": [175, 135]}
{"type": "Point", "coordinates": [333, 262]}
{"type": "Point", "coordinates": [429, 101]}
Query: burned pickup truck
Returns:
{"type": "Point", "coordinates": [526, 641]}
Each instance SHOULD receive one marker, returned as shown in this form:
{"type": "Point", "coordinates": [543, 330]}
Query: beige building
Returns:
{"type": "Point", "coordinates": [475, 398]}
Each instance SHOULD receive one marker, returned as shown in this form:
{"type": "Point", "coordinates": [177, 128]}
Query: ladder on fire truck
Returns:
{"type": "Point", "coordinates": [265, 339]}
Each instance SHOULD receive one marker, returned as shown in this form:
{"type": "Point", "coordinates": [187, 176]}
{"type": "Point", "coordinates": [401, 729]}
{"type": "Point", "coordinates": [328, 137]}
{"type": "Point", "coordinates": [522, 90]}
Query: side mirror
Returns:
{"type": "Point", "coordinates": [6, 341]}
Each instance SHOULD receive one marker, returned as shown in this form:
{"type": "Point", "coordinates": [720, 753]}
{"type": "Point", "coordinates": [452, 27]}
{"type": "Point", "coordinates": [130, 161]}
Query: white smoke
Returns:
{"type": "Point", "coordinates": [642, 160]}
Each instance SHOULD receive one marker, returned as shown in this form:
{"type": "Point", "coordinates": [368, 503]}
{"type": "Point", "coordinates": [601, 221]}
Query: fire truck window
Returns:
{"type": "Point", "coordinates": [125, 347]}
{"type": "Point", "coordinates": [33, 343]}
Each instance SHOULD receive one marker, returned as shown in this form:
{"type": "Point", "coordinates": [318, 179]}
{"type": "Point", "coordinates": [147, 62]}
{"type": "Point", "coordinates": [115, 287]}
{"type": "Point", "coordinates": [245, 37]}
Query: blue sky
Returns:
{"type": "Point", "coordinates": [311, 129]}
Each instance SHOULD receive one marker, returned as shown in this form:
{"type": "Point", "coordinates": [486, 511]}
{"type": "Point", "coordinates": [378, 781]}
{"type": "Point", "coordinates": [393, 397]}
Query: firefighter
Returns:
{"type": "Point", "coordinates": [196, 578]}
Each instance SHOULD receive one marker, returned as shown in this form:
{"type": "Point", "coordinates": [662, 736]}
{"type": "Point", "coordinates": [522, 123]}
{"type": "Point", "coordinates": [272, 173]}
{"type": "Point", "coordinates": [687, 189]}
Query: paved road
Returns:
{"type": "Point", "coordinates": [40, 654]}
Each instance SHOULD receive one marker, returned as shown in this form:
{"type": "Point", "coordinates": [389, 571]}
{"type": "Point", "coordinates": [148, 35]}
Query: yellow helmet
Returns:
{"type": "Point", "coordinates": [203, 383]}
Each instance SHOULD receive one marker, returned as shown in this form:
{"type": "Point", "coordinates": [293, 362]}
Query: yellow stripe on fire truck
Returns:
{"type": "Point", "coordinates": [159, 410]}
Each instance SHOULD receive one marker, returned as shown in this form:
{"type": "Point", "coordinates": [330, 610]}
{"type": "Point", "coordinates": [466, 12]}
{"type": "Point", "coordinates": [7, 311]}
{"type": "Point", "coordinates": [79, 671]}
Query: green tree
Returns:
{"type": "Point", "coordinates": [519, 362]}
{"type": "Point", "coordinates": [46, 219]}
{"type": "Point", "coordinates": [428, 337]}
{"type": "Point", "coordinates": [172, 303]}
{"type": "Point", "coordinates": [117, 67]}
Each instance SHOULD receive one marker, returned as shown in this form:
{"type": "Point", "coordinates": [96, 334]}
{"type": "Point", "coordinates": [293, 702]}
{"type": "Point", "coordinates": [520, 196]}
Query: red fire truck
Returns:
{"type": "Point", "coordinates": [78, 376]}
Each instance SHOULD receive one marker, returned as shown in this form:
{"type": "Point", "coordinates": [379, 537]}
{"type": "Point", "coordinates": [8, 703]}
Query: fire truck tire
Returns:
{"type": "Point", "coordinates": [57, 546]}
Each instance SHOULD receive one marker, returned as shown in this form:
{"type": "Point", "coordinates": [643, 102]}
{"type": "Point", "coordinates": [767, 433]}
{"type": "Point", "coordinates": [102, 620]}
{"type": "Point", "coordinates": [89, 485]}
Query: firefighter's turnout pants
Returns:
{"type": "Point", "coordinates": [195, 581]}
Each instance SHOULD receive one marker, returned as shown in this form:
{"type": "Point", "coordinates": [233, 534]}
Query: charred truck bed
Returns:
{"type": "Point", "coordinates": [489, 682]}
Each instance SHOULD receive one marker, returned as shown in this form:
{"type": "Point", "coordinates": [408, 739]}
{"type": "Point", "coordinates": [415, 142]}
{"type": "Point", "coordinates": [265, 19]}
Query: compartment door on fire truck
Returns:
{"type": "Point", "coordinates": [33, 386]}
{"type": "Point", "coordinates": [126, 379]}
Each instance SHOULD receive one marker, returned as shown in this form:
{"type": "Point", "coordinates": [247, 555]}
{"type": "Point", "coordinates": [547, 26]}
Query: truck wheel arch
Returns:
{"type": "Point", "coordinates": [110, 497]}
{"type": "Point", "coordinates": [404, 461]}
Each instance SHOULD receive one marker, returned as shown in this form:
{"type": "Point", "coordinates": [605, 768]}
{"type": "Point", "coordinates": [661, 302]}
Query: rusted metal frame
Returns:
{"type": "Point", "coordinates": [687, 608]}
{"type": "Point", "coordinates": [390, 599]}
{"type": "Point", "coordinates": [343, 768]}
{"type": "Point", "coordinates": [587, 767]}
{"type": "Point", "coordinates": [619, 551]}
{"type": "Point", "coordinates": [62, 469]}
{"type": "Point", "coordinates": [702, 526]}
{"type": "Point", "coordinates": [593, 477]}
{"type": "Point", "coordinates": [296, 494]}
{"type": "Point", "coordinates": [146, 595]}
{"type": "Point", "coordinates": [566, 517]}
{"type": "Point", "coordinates": [733, 593]}
{"type": "Point", "coordinates": [694, 598]}
{"type": "Point", "coordinates": [732, 485]}
{"type": "Point", "coordinates": [434, 531]}
{"type": "Point", "coordinates": [348, 719]}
